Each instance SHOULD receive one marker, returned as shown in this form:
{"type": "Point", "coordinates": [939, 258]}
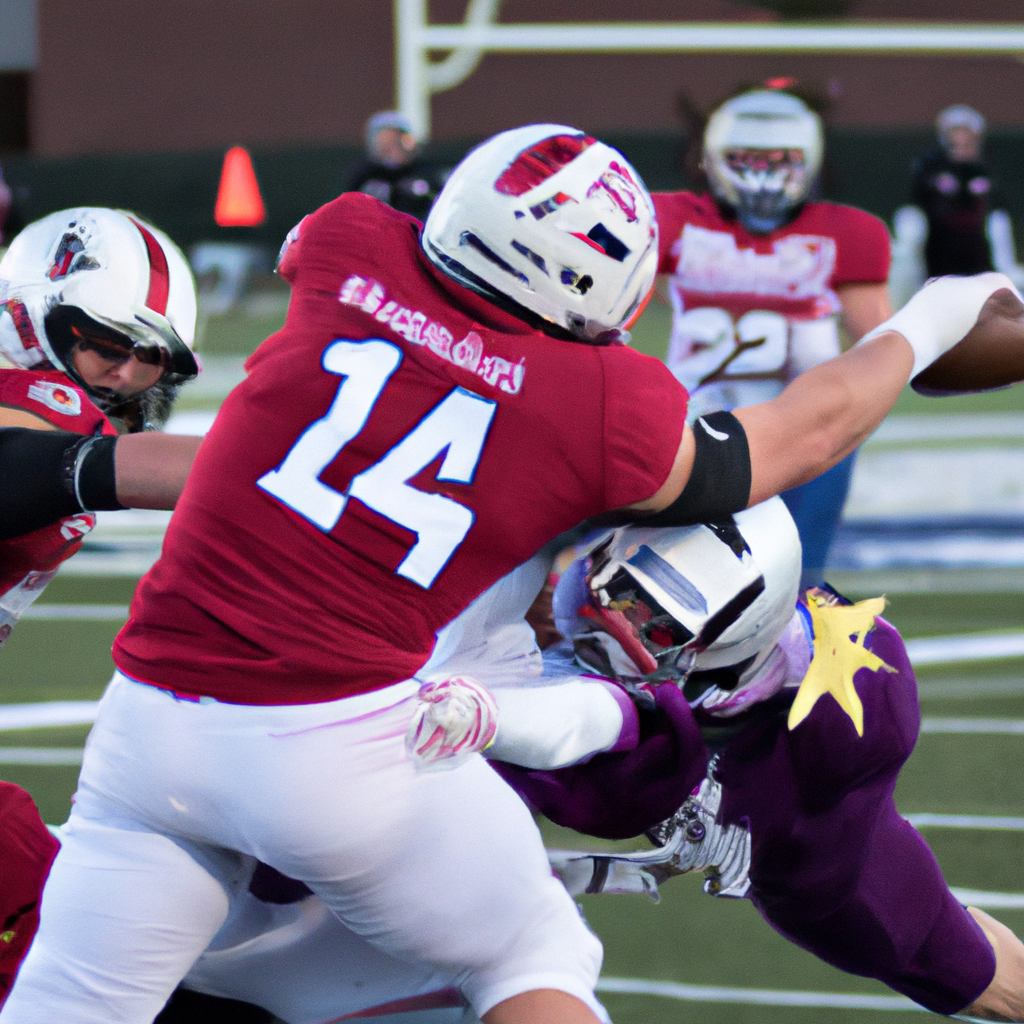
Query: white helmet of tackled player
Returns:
{"type": "Point", "coordinates": [105, 275]}
{"type": "Point", "coordinates": [762, 151]}
{"type": "Point", "coordinates": [553, 220]}
{"type": "Point", "coordinates": [685, 599]}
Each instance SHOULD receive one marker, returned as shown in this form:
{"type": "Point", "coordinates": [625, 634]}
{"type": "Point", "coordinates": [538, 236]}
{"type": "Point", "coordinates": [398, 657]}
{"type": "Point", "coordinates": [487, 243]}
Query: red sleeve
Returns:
{"type": "Point", "coordinates": [644, 415]}
{"type": "Point", "coordinates": [28, 851]}
{"type": "Point", "coordinates": [673, 210]}
{"type": "Point", "coordinates": [862, 247]}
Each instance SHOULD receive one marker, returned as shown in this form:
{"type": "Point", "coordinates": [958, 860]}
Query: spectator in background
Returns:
{"type": "Point", "coordinates": [394, 173]}
{"type": "Point", "coordinates": [968, 231]}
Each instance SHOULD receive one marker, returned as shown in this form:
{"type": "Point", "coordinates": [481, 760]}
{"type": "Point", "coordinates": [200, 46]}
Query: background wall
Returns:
{"type": "Point", "coordinates": [122, 76]}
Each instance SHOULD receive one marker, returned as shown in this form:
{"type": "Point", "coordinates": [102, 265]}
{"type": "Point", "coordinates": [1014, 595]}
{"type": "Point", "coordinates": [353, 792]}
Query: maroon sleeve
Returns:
{"type": "Point", "coordinates": [644, 414]}
{"type": "Point", "coordinates": [862, 247]}
{"type": "Point", "coordinates": [670, 209]}
{"type": "Point", "coordinates": [28, 851]}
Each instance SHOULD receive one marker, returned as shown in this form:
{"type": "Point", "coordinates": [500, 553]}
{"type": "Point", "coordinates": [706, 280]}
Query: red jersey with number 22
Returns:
{"type": "Point", "coordinates": [396, 448]}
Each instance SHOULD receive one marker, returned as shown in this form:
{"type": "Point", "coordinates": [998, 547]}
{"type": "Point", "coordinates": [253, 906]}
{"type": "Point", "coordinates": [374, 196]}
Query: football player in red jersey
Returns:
{"type": "Point", "coordinates": [759, 278]}
{"type": "Point", "coordinates": [440, 402]}
{"type": "Point", "coordinates": [97, 318]}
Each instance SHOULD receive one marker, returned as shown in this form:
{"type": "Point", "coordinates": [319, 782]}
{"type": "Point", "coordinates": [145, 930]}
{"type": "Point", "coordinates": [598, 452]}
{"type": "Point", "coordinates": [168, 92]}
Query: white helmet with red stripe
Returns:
{"type": "Point", "coordinates": [553, 220]}
{"type": "Point", "coordinates": [102, 272]}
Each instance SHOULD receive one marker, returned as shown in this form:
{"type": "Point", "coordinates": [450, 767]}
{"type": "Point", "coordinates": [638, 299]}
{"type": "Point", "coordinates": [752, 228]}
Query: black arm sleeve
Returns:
{"type": "Point", "coordinates": [48, 474]}
{"type": "Point", "coordinates": [719, 483]}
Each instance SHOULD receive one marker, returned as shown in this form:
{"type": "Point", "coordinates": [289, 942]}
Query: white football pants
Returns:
{"type": "Point", "coordinates": [444, 867]}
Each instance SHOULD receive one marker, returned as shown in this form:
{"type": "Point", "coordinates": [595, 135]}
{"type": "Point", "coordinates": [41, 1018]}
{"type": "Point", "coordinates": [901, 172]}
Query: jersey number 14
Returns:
{"type": "Point", "coordinates": [457, 426]}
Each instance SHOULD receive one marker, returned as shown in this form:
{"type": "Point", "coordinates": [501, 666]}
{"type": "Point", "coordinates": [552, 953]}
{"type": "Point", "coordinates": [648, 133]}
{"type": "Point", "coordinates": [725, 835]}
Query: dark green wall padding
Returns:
{"type": "Point", "coordinates": [177, 191]}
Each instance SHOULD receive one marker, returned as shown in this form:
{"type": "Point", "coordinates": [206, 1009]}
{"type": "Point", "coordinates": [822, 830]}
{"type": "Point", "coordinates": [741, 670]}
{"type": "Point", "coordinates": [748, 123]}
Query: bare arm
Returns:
{"type": "Point", "coordinates": [818, 420]}
{"type": "Point", "coordinates": [152, 468]}
{"type": "Point", "coordinates": [865, 306]}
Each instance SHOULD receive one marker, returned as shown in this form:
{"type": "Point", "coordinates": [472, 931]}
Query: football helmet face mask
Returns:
{"type": "Point", "coordinates": [762, 151]}
{"type": "Point", "coordinates": [682, 600]}
{"type": "Point", "coordinates": [556, 222]}
{"type": "Point", "coordinates": [109, 282]}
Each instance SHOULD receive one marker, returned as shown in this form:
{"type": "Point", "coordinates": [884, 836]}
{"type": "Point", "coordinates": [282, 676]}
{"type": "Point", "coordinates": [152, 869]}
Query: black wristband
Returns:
{"type": "Point", "coordinates": [38, 472]}
{"type": "Point", "coordinates": [719, 483]}
{"type": "Point", "coordinates": [92, 474]}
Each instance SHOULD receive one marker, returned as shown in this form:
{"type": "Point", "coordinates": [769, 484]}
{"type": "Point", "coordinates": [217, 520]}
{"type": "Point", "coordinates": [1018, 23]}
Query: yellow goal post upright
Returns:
{"type": "Point", "coordinates": [418, 77]}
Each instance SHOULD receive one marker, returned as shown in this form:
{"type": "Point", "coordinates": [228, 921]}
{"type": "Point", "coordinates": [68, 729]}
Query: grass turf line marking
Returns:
{"type": "Point", "coordinates": [84, 612]}
{"type": "Point", "coordinates": [971, 821]}
{"type": "Point", "coordinates": [44, 756]}
{"type": "Point", "coordinates": [755, 996]}
{"type": "Point", "coordinates": [970, 688]}
{"type": "Point", "coordinates": [49, 713]}
{"type": "Point", "coordinates": [941, 650]}
{"type": "Point", "coordinates": [989, 900]}
{"type": "Point", "coordinates": [991, 726]}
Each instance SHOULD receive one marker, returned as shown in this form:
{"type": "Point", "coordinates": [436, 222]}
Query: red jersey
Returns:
{"type": "Point", "coordinates": [28, 851]}
{"type": "Point", "coordinates": [29, 562]}
{"type": "Point", "coordinates": [759, 308]}
{"type": "Point", "coordinates": [395, 449]}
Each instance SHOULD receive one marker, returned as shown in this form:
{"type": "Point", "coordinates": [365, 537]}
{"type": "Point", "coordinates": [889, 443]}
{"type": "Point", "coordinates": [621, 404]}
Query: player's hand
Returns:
{"type": "Point", "coordinates": [967, 334]}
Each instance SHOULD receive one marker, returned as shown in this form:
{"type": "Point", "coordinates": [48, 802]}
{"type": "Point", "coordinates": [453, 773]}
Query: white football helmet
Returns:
{"type": "Point", "coordinates": [554, 220]}
{"type": "Point", "coordinates": [749, 147]}
{"type": "Point", "coordinates": [105, 275]}
{"type": "Point", "coordinates": [679, 600]}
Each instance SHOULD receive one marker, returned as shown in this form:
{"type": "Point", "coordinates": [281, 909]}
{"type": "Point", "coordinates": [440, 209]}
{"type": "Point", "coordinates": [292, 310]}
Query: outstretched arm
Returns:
{"type": "Point", "coordinates": [151, 468]}
{"type": "Point", "coordinates": [829, 410]}
{"type": "Point", "coordinates": [48, 474]}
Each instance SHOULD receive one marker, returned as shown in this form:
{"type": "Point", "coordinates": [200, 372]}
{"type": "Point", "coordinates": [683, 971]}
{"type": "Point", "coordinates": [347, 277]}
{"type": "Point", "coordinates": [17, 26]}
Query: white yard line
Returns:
{"type": "Point", "coordinates": [954, 427]}
{"type": "Point", "coordinates": [971, 821]}
{"type": "Point", "coordinates": [754, 996]}
{"type": "Point", "coordinates": [88, 612]}
{"type": "Point", "coordinates": [971, 689]}
{"type": "Point", "coordinates": [989, 900]}
{"type": "Point", "coordinates": [50, 713]}
{"type": "Point", "coordinates": [984, 726]}
{"type": "Point", "coordinates": [941, 650]}
{"type": "Point", "coordinates": [40, 755]}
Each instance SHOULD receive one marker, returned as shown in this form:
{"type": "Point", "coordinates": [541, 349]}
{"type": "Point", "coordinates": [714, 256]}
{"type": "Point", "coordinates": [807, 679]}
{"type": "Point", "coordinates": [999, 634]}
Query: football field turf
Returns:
{"type": "Point", "coordinates": [688, 938]}
{"type": "Point", "coordinates": [684, 958]}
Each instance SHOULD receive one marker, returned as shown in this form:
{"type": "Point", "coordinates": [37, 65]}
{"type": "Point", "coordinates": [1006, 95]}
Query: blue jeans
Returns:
{"type": "Point", "coordinates": [817, 507]}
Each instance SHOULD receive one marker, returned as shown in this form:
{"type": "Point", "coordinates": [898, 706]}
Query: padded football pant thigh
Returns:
{"type": "Point", "coordinates": [900, 924]}
{"type": "Point", "coordinates": [442, 867]}
{"type": "Point", "coordinates": [97, 957]}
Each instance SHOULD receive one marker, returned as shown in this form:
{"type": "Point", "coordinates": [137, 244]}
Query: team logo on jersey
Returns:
{"type": "Point", "coordinates": [58, 397]}
{"type": "Point", "coordinates": [798, 267]}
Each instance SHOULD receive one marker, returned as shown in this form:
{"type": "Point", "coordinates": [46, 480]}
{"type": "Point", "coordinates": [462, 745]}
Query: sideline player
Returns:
{"type": "Point", "coordinates": [759, 277]}
{"type": "Point", "coordinates": [97, 320]}
{"type": "Point", "coordinates": [405, 440]}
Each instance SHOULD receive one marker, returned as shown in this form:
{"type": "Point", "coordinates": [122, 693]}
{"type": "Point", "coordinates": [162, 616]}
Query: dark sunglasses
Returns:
{"type": "Point", "coordinates": [121, 350]}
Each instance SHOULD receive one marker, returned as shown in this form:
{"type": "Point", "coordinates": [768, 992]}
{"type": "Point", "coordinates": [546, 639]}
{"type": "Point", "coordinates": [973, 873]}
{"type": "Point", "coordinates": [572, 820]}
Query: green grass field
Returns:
{"type": "Point", "coordinates": [688, 937]}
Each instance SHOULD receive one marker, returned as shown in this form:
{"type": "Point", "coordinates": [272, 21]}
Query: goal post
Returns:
{"type": "Point", "coordinates": [417, 77]}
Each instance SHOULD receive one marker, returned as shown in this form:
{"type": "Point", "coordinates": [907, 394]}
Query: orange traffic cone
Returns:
{"type": "Point", "coordinates": [239, 203]}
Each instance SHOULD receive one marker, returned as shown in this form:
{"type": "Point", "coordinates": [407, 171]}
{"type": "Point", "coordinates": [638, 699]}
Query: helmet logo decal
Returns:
{"type": "Point", "coordinates": [666, 576]}
{"type": "Point", "coordinates": [468, 238]}
{"type": "Point", "coordinates": [64, 261]}
{"type": "Point", "coordinates": [159, 275]}
{"type": "Point", "coordinates": [619, 185]}
{"type": "Point", "coordinates": [550, 205]}
{"type": "Point", "coordinates": [540, 162]}
{"type": "Point", "coordinates": [58, 397]}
